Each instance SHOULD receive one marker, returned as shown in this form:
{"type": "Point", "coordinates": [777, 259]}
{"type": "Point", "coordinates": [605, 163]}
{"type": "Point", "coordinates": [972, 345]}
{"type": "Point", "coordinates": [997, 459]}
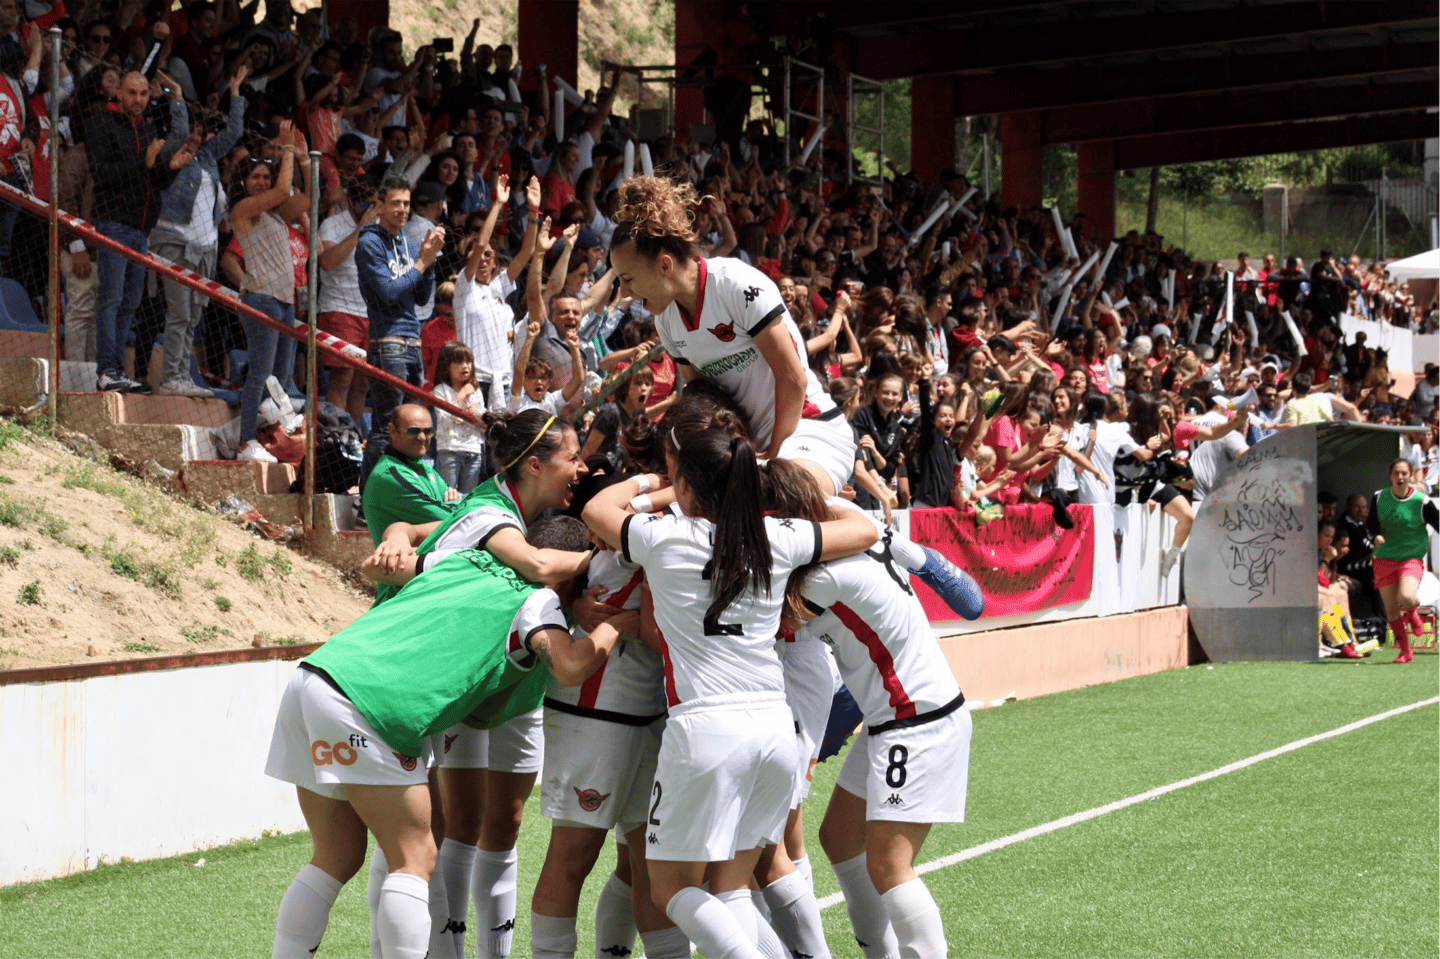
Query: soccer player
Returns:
{"type": "Point", "coordinates": [1398, 517]}
{"type": "Point", "coordinates": [726, 770]}
{"type": "Point", "coordinates": [602, 740]}
{"type": "Point", "coordinates": [724, 320]}
{"type": "Point", "coordinates": [540, 464]}
{"type": "Point", "coordinates": [458, 644]}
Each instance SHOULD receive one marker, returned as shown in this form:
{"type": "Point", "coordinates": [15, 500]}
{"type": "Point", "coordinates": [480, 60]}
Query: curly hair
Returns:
{"type": "Point", "coordinates": [657, 215]}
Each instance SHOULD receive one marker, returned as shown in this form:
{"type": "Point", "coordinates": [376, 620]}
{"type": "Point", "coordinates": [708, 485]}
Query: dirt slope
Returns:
{"type": "Point", "coordinates": [99, 565]}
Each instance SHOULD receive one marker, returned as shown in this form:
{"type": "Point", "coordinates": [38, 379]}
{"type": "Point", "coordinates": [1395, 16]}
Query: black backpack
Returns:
{"type": "Point", "coordinates": [337, 451]}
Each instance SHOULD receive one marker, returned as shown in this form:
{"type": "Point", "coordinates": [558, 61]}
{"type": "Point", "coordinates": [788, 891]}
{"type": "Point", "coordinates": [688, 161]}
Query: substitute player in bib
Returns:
{"type": "Point", "coordinates": [460, 642]}
{"type": "Point", "coordinates": [727, 759]}
{"type": "Point", "coordinates": [539, 459]}
{"type": "Point", "coordinates": [723, 320]}
{"type": "Point", "coordinates": [1398, 517]}
{"type": "Point", "coordinates": [911, 768]}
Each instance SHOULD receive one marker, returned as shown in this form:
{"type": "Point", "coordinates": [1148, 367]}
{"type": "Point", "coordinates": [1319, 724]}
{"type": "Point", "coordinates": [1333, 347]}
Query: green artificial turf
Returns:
{"type": "Point", "coordinates": [1330, 850]}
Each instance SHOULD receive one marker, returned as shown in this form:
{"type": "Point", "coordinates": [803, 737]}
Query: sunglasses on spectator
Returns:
{"type": "Point", "coordinates": [98, 38]}
{"type": "Point", "coordinates": [419, 431]}
{"type": "Point", "coordinates": [827, 261]}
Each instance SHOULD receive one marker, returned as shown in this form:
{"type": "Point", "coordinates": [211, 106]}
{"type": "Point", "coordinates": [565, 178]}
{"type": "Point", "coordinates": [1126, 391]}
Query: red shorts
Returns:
{"type": "Point", "coordinates": [1388, 572]}
{"type": "Point", "coordinates": [348, 327]}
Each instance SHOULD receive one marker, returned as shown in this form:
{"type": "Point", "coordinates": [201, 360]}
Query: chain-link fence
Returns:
{"type": "Point", "coordinates": [132, 214]}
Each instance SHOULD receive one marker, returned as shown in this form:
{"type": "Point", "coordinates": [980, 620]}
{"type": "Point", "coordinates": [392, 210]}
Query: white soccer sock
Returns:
{"type": "Point", "coordinates": [668, 943]}
{"type": "Point", "coordinates": [742, 907]}
{"type": "Point", "coordinates": [375, 878]}
{"type": "Point", "coordinates": [615, 919]}
{"type": "Point", "coordinates": [456, 863]}
{"type": "Point", "coordinates": [867, 913]}
{"type": "Point", "coordinates": [404, 916]}
{"type": "Point", "coordinates": [770, 945]}
{"type": "Point", "coordinates": [710, 925]}
{"type": "Point", "coordinates": [916, 920]}
{"type": "Point", "coordinates": [442, 944]}
{"type": "Point", "coordinates": [796, 916]}
{"type": "Point", "coordinates": [304, 913]}
{"type": "Point", "coordinates": [803, 867]}
{"type": "Point", "coordinates": [552, 937]}
{"type": "Point", "coordinates": [496, 876]}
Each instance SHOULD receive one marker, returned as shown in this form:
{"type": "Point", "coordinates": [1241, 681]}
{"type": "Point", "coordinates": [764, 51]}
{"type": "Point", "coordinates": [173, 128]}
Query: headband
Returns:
{"type": "Point", "coordinates": [543, 430]}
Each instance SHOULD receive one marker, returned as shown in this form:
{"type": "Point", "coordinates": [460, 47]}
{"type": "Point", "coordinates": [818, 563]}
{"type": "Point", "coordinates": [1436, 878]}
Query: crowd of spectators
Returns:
{"type": "Point", "coordinates": [980, 364]}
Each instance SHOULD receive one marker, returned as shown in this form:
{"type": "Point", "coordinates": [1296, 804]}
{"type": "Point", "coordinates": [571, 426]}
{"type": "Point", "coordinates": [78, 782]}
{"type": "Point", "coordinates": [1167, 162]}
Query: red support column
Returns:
{"type": "Point", "coordinates": [932, 126]}
{"type": "Point", "coordinates": [1020, 159]}
{"type": "Point", "coordinates": [550, 34]}
{"type": "Point", "coordinates": [1095, 186]}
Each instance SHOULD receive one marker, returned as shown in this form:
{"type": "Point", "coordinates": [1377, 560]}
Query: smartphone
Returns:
{"type": "Point", "coordinates": [443, 44]}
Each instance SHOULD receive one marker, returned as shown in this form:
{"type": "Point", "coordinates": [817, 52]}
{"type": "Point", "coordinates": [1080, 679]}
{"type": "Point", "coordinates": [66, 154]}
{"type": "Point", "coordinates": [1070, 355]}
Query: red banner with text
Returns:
{"type": "Point", "coordinates": [1023, 561]}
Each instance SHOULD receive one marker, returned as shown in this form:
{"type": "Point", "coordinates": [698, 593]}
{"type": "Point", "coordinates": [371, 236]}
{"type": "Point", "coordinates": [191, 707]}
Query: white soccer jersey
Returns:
{"type": "Point", "coordinates": [737, 653]}
{"type": "Point", "coordinates": [734, 304]}
{"type": "Point", "coordinates": [474, 529]}
{"type": "Point", "coordinates": [631, 682]}
{"type": "Point", "coordinates": [882, 641]}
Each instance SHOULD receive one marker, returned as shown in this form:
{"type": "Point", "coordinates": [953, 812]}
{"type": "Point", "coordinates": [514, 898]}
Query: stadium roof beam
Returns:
{"type": "Point", "coordinates": [1227, 144]}
{"type": "Point", "coordinates": [1090, 83]}
{"type": "Point", "coordinates": [953, 40]}
{"type": "Point", "coordinates": [1152, 117]}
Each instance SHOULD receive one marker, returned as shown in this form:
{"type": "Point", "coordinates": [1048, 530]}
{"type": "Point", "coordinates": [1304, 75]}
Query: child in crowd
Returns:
{"type": "Point", "coordinates": [528, 390]}
{"type": "Point", "coordinates": [459, 443]}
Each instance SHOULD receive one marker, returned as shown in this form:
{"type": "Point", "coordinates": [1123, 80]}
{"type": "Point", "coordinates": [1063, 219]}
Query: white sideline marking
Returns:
{"type": "Point", "coordinates": [834, 899]}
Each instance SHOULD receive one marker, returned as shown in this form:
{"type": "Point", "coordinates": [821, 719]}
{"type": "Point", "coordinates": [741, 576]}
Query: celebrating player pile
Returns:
{"type": "Point", "coordinates": [670, 709]}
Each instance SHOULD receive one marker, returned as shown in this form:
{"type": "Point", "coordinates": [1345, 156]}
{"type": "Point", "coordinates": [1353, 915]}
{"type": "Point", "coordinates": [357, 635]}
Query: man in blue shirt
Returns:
{"type": "Point", "coordinates": [395, 274]}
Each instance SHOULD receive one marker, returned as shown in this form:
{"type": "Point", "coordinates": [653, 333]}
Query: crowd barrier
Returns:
{"type": "Point", "coordinates": [1408, 352]}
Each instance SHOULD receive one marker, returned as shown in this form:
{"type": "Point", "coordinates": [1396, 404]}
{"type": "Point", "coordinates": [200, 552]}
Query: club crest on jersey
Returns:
{"type": "Point", "coordinates": [407, 763]}
{"type": "Point", "coordinates": [590, 800]}
{"type": "Point", "coordinates": [724, 332]}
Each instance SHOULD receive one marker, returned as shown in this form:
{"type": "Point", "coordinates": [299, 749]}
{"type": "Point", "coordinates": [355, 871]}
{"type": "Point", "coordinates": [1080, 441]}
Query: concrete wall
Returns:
{"type": "Point", "coordinates": [142, 765]}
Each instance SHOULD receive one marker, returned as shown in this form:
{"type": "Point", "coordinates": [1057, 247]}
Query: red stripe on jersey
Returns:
{"type": "Point", "coordinates": [618, 598]}
{"type": "Point", "coordinates": [671, 696]}
{"type": "Point", "coordinates": [692, 323]}
{"type": "Point", "coordinates": [590, 691]}
{"type": "Point", "coordinates": [880, 656]}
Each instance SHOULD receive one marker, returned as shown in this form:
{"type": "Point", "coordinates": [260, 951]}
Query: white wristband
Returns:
{"type": "Point", "coordinates": [642, 504]}
{"type": "Point", "coordinates": [644, 481]}
{"type": "Point", "coordinates": [77, 246]}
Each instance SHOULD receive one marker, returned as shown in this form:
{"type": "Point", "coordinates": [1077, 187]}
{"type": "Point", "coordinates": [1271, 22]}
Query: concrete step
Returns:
{"type": "Point", "coordinates": [212, 480]}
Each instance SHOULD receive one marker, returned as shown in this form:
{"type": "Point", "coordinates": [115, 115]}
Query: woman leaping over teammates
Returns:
{"type": "Point", "coordinates": [723, 320]}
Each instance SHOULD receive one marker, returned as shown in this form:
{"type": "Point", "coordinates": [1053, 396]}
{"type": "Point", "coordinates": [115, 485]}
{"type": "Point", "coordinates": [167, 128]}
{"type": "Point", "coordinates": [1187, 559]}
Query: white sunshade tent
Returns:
{"type": "Point", "coordinates": [1423, 266]}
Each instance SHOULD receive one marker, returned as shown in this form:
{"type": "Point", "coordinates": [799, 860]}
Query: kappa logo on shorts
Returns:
{"type": "Point", "coordinates": [326, 754]}
{"type": "Point", "coordinates": [652, 840]}
{"type": "Point", "coordinates": [407, 763]}
{"type": "Point", "coordinates": [590, 800]}
{"type": "Point", "coordinates": [724, 332]}
{"type": "Point", "coordinates": [450, 741]}
{"type": "Point", "coordinates": [894, 800]}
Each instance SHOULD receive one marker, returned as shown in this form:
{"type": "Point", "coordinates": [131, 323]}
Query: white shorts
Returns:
{"type": "Point", "coordinates": [912, 774]}
{"type": "Point", "coordinates": [322, 742]}
{"type": "Point", "coordinates": [724, 780]}
{"type": "Point", "coordinates": [809, 688]}
{"type": "Point", "coordinates": [828, 443]}
{"type": "Point", "coordinates": [462, 747]}
{"type": "Point", "coordinates": [518, 746]}
{"type": "Point", "coordinates": [598, 773]}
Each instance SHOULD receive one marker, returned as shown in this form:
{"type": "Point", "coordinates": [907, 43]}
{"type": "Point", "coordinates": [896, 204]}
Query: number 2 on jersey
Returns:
{"type": "Point", "coordinates": [713, 627]}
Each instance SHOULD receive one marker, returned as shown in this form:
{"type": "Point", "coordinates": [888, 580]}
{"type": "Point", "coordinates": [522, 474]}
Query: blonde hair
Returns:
{"type": "Point", "coordinates": [657, 215]}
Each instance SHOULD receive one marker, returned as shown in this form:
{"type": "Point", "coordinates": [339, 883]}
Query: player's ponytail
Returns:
{"type": "Point", "coordinates": [515, 437]}
{"type": "Point", "coordinates": [724, 478]}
